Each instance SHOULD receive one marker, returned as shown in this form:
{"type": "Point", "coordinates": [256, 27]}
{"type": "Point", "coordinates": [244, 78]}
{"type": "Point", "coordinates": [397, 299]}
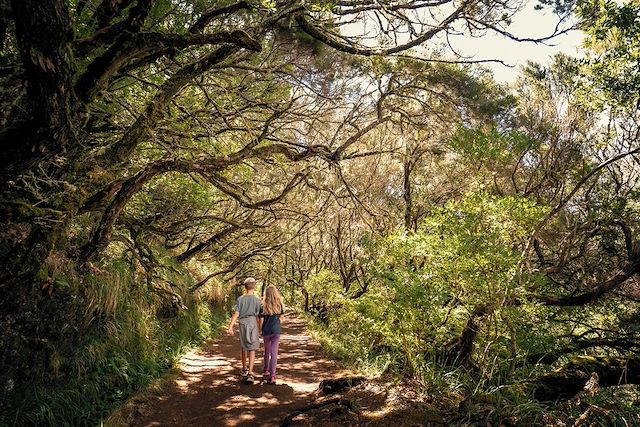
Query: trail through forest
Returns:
{"type": "Point", "coordinates": [207, 391]}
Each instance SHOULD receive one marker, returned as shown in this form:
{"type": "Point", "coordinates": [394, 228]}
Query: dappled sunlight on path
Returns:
{"type": "Point", "coordinates": [208, 391]}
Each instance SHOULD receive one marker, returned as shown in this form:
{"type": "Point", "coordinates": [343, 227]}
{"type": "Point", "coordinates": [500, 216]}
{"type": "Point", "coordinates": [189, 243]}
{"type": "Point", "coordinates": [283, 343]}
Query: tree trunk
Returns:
{"type": "Point", "coordinates": [458, 351]}
{"type": "Point", "coordinates": [45, 127]}
{"type": "Point", "coordinates": [407, 194]}
{"type": "Point", "coordinates": [38, 148]}
{"type": "Point", "coordinates": [565, 383]}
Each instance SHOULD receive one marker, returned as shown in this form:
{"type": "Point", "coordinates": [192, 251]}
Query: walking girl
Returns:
{"type": "Point", "coordinates": [271, 314]}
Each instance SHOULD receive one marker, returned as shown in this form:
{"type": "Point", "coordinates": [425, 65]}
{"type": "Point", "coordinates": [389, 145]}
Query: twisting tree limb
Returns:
{"type": "Point", "coordinates": [331, 39]}
{"type": "Point", "coordinates": [107, 34]}
{"type": "Point", "coordinates": [214, 12]}
{"type": "Point", "coordinates": [629, 269]}
{"type": "Point", "coordinates": [122, 149]}
{"type": "Point", "coordinates": [145, 44]}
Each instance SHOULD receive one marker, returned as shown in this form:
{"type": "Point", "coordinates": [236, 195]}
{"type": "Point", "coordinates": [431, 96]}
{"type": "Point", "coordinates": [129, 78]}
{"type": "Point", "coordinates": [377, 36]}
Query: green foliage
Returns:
{"type": "Point", "coordinates": [614, 50]}
{"type": "Point", "coordinates": [111, 330]}
{"type": "Point", "coordinates": [489, 146]}
{"type": "Point", "coordinates": [423, 285]}
{"type": "Point", "coordinates": [121, 342]}
{"type": "Point", "coordinates": [324, 288]}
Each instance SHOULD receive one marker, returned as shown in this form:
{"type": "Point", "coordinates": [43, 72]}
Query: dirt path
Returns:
{"type": "Point", "coordinates": [207, 390]}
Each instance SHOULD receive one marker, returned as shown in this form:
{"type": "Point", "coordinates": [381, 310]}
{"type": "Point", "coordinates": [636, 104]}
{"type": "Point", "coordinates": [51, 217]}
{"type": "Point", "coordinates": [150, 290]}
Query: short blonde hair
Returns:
{"type": "Point", "coordinates": [249, 283]}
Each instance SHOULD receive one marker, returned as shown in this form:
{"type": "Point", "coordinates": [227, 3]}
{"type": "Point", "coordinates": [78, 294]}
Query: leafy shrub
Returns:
{"type": "Point", "coordinates": [116, 342]}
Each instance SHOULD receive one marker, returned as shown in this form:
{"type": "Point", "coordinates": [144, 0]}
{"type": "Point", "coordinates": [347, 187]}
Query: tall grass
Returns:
{"type": "Point", "coordinates": [120, 339]}
{"type": "Point", "coordinates": [481, 395]}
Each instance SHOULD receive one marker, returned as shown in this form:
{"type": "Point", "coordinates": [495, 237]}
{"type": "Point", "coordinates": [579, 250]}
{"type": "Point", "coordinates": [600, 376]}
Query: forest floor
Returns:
{"type": "Point", "coordinates": [205, 390]}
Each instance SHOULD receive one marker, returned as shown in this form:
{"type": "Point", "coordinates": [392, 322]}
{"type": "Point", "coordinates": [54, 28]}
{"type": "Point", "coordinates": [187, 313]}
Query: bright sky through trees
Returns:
{"type": "Point", "coordinates": [487, 45]}
{"type": "Point", "coordinates": [528, 23]}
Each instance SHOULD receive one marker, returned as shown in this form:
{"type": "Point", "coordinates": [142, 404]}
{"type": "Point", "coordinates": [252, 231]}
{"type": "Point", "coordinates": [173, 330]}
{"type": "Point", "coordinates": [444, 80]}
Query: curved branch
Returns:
{"type": "Point", "coordinates": [629, 270]}
{"type": "Point", "coordinates": [232, 191]}
{"type": "Point", "coordinates": [624, 344]}
{"type": "Point", "coordinates": [203, 246]}
{"type": "Point", "coordinates": [368, 6]}
{"type": "Point", "coordinates": [556, 32]}
{"type": "Point", "coordinates": [337, 154]}
{"type": "Point", "coordinates": [107, 34]}
{"type": "Point", "coordinates": [209, 14]}
{"type": "Point", "coordinates": [131, 186]}
{"type": "Point", "coordinates": [239, 261]}
{"type": "Point", "coordinates": [145, 44]}
{"type": "Point", "coordinates": [337, 43]}
{"type": "Point", "coordinates": [102, 235]}
{"type": "Point", "coordinates": [628, 238]}
{"type": "Point", "coordinates": [139, 130]}
{"type": "Point", "coordinates": [563, 201]}
{"type": "Point", "coordinates": [561, 204]}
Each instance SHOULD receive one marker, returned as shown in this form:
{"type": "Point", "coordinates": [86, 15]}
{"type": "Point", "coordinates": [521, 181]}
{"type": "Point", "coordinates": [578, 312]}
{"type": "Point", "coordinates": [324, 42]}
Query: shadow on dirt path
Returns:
{"type": "Point", "coordinates": [208, 391]}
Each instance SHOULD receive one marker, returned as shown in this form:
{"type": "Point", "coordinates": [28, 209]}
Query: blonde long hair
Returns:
{"type": "Point", "coordinates": [272, 303]}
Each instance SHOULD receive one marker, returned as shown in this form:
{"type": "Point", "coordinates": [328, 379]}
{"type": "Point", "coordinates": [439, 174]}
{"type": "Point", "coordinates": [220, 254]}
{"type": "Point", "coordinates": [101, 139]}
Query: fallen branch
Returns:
{"type": "Point", "coordinates": [569, 380]}
{"type": "Point", "coordinates": [319, 404]}
{"type": "Point", "coordinates": [337, 385]}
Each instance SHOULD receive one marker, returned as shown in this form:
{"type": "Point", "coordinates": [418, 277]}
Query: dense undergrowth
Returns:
{"type": "Point", "coordinates": [125, 329]}
{"type": "Point", "coordinates": [462, 399]}
{"type": "Point", "coordinates": [434, 316]}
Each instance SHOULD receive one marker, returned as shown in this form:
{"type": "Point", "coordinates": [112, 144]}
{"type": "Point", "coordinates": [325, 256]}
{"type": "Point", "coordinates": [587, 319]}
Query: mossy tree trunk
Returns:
{"type": "Point", "coordinates": [566, 382]}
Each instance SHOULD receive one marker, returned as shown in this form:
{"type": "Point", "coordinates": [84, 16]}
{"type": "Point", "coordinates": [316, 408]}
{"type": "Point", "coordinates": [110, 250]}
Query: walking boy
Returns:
{"type": "Point", "coordinates": [246, 312]}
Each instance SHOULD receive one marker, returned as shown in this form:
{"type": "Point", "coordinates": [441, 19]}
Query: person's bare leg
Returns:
{"type": "Point", "coordinates": [244, 360]}
{"type": "Point", "coordinates": [252, 358]}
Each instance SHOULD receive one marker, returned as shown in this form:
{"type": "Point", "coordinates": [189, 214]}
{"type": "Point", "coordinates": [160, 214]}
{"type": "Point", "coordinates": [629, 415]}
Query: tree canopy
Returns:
{"type": "Point", "coordinates": [437, 221]}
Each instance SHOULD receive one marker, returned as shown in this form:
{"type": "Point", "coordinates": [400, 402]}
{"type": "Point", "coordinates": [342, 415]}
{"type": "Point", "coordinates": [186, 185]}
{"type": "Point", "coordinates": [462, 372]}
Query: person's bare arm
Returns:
{"type": "Point", "coordinates": [233, 322]}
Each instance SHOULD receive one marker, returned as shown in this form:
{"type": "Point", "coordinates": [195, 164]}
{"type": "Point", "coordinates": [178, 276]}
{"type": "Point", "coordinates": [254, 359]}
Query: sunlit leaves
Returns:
{"type": "Point", "coordinates": [488, 146]}
{"type": "Point", "coordinates": [325, 289]}
{"type": "Point", "coordinates": [614, 50]}
{"type": "Point", "coordinates": [426, 284]}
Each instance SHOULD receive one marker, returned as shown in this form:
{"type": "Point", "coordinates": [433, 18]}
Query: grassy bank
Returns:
{"type": "Point", "coordinates": [127, 332]}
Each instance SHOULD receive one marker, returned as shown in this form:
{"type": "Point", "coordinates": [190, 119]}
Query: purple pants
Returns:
{"type": "Point", "coordinates": [271, 344]}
